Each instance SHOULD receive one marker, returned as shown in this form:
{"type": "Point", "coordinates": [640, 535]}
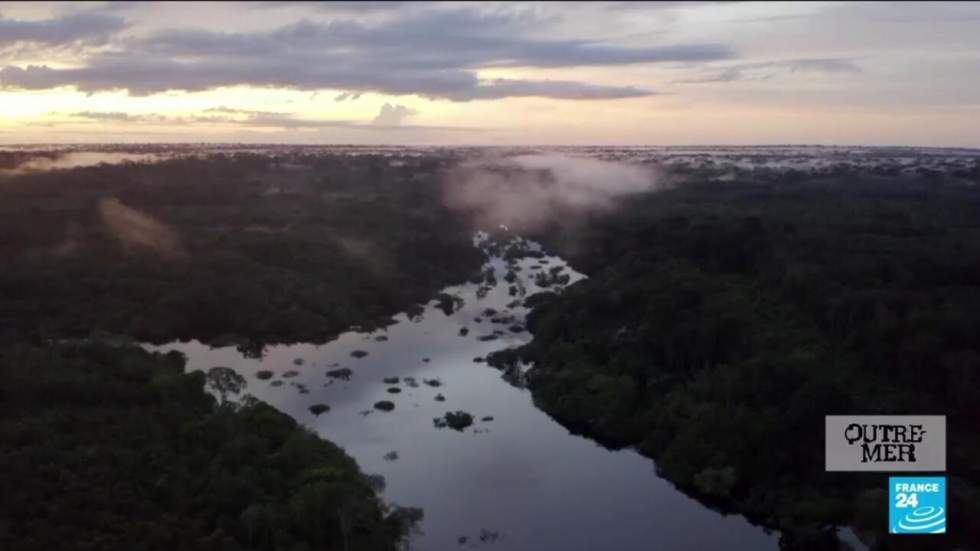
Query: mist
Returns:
{"type": "Point", "coordinates": [524, 192]}
{"type": "Point", "coordinates": [134, 228]}
{"type": "Point", "coordinates": [75, 159]}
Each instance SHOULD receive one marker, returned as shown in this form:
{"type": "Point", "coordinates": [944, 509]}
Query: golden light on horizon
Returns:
{"type": "Point", "coordinates": [478, 73]}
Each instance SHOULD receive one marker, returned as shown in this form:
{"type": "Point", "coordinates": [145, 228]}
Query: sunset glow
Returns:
{"type": "Point", "coordinates": [487, 73]}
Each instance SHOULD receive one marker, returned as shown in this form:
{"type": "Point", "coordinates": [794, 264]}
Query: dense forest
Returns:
{"type": "Point", "coordinates": [719, 323]}
{"type": "Point", "coordinates": [114, 448]}
{"type": "Point", "coordinates": [236, 248]}
{"type": "Point", "coordinates": [722, 321]}
{"type": "Point", "coordinates": [105, 448]}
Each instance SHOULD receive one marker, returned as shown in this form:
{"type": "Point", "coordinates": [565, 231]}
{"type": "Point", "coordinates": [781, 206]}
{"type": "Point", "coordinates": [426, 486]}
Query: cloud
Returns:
{"type": "Point", "coordinates": [339, 6]}
{"type": "Point", "coordinates": [560, 89]}
{"type": "Point", "coordinates": [218, 115]}
{"type": "Point", "coordinates": [434, 53]}
{"type": "Point", "coordinates": [634, 5]}
{"type": "Point", "coordinates": [390, 118]}
{"type": "Point", "coordinates": [527, 191]}
{"type": "Point", "coordinates": [61, 31]}
{"type": "Point", "coordinates": [822, 66]}
{"type": "Point", "coordinates": [103, 115]}
{"type": "Point", "coordinates": [768, 69]}
{"type": "Point", "coordinates": [392, 115]}
{"type": "Point", "coordinates": [149, 77]}
{"type": "Point", "coordinates": [427, 40]}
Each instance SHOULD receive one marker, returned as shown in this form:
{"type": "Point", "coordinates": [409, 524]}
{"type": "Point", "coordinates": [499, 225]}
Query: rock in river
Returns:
{"type": "Point", "coordinates": [384, 405]}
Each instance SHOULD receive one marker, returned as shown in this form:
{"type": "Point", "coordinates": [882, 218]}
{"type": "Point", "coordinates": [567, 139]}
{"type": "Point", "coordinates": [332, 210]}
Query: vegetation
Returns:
{"type": "Point", "coordinates": [231, 249]}
{"type": "Point", "coordinates": [116, 448]}
{"type": "Point", "coordinates": [448, 303]}
{"type": "Point", "coordinates": [342, 373]}
{"type": "Point", "coordinates": [720, 323]}
{"type": "Point", "coordinates": [13, 159]}
{"type": "Point", "coordinates": [456, 420]}
{"type": "Point", "coordinates": [225, 381]}
{"type": "Point", "coordinates": [317, 409]}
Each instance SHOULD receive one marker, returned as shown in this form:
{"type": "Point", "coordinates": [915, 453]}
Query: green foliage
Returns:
{"type": "Point", "coordinates": [456, 420]}
{"type": "Point", "coordinates": [342, 373]}
{"type": "Point", "coordinates": [225, 381]}
{"type": "Point", "coordinates": [270, 254]}
{"type": "Point", "coordinates": [716, 482]}
{"type": "Point", "coordinates": [448, 303]}
{"type": "Point", "coordinates": [317, 409]}
{"type": "Point", "coordinates": [720, 323]}
{"type": "Point", "coordinates": [115, 448]}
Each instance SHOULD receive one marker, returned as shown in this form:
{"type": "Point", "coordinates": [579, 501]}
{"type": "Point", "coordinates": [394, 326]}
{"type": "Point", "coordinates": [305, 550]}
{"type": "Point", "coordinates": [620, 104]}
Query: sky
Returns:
{"type": "Point", "coordinates": [615, 73]}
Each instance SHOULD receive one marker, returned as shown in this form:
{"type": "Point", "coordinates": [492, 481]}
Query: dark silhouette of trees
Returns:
{"type": "Point", "coordinates": [115, 448]}
{"type": "Point", "coordinates": [720, 324]}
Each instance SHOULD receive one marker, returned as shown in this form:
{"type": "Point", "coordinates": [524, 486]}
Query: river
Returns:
{"type": "Point", "coordinates": [517, 482]}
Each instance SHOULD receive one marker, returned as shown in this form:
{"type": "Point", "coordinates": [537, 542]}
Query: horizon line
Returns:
{"type": "Point", "coordinates": [462, 146]}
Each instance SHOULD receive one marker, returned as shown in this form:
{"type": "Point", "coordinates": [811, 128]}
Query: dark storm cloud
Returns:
{"type": "Point", "coordinates": [432, 52]}
{"type": "Point", "coordinates": [79, 27]}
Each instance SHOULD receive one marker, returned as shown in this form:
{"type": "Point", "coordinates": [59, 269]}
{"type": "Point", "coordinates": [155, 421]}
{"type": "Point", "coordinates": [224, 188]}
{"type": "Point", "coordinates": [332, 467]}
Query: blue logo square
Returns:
{"type": "Point", "coordinates": [917, 505]}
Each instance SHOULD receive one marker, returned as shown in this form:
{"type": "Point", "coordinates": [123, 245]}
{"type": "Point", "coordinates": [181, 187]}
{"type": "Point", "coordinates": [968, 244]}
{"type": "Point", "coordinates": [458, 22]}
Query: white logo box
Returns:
{"type": "Point", "coordinates": [897, 443]}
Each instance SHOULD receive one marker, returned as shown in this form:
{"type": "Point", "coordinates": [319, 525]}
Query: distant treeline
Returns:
{"type": "Point", "coordinates": [11, 159]}
{"type": "Point", "coordinates": [272, 248]}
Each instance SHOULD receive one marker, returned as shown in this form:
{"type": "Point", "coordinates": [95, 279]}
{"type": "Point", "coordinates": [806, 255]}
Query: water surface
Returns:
{"type": "Point", "coordinates": [517, 482]}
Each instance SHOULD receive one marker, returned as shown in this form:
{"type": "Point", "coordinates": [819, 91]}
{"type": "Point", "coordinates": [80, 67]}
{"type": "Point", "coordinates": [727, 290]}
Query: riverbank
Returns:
{"type": "Point", "coordinates": [243, 248]}
{"type": "Point", "coordinates": [721, 322]}
{"type": "Point", "coordinates": [108, 447]}
{"type": "Point", "coordinates": [513, 479]}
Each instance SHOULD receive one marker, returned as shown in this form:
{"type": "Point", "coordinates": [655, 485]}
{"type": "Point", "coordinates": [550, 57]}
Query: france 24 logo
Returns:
{"type": "Point", "coordinates": [917, 505]}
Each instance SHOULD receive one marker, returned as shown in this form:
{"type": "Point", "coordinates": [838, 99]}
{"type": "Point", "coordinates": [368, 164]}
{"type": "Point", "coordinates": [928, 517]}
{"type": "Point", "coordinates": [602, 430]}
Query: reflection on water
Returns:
{"type": "Point", "coordinates": [517, 482]}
